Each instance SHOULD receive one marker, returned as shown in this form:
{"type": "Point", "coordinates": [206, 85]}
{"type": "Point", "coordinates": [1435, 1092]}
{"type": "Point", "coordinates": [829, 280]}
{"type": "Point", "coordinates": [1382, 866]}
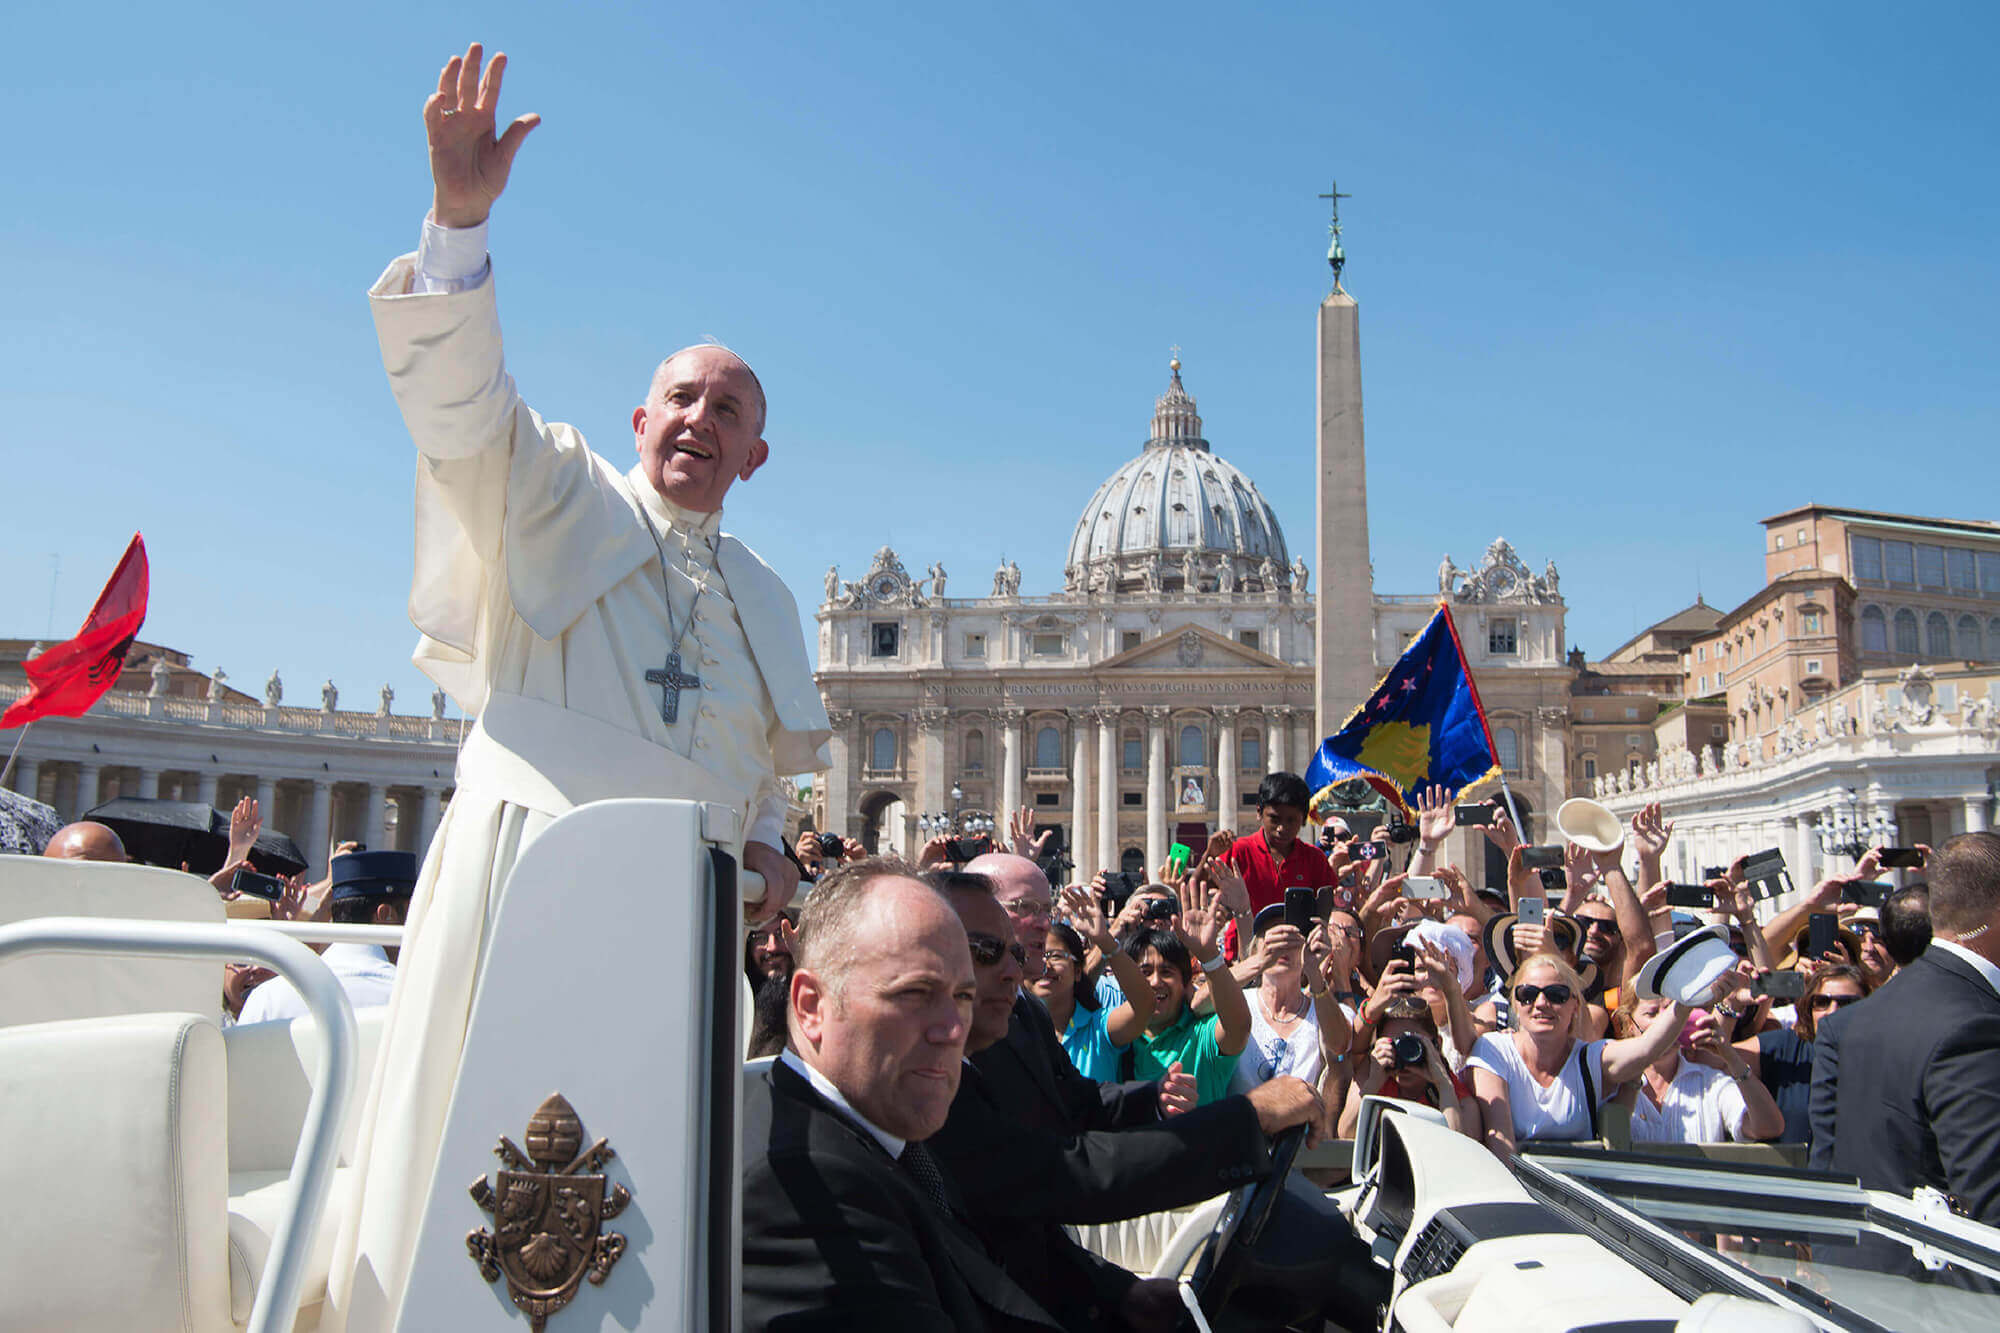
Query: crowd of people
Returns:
{"type": "Point", "coordinates": [1119, 1023]}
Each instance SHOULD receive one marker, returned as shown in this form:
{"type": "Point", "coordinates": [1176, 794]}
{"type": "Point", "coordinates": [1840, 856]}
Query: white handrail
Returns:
{"type": "Point", "coordinates": [276, 1306]}
{"type": "Point", "coordinates": [324, 932]}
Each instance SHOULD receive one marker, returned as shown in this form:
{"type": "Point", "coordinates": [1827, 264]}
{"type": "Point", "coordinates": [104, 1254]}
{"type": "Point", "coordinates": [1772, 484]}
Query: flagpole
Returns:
{"type": "Point", "coordinates": [8, 771]}
{"type": "Point", "coordinates": [1513, 812]}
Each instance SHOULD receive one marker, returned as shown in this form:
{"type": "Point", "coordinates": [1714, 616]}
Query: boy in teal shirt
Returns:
{"type": "Point", "coordinates": [1205, 1046]}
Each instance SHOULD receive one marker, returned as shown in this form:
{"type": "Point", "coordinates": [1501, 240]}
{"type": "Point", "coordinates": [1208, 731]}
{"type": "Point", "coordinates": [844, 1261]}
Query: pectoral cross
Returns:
{"type": "Point", "coordinates": [672, 680]}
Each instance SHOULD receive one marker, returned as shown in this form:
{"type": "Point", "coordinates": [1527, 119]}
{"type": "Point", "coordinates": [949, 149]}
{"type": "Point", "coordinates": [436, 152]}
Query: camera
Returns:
{"type": "Point", "coordinates": [1548, 856]}
{"type": "Point", "coordinates": [1408, 1048]}
{"type": "Point", "coordinates": [247, 881]}
{"type": "Point", "coordinates": [830, 844]}
{"type": "Point", "coordinates": [964, 849]}
{"type": "Point", "coordinates": [1398, 831]}
{"type": "Point", "coordinates": [1160, 909]}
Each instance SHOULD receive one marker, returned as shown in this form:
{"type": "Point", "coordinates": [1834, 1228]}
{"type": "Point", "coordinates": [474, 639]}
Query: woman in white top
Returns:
{"type": "Point", "coordinates": [1290, 1030]}
{"type": "Point", "coordinates": [1699, 1090]}
{"type": "Point", "coordinates": [1531, 1082]}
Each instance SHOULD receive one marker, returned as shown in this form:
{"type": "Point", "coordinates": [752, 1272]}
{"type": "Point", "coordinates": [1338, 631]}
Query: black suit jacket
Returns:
{"type": "Point", "coordinates": [1821, 1098]}
{"type": "Point", "coordinates": [1032, 1075]}
{"type": "Point", "coordinates": [836, 1235]}
{"type": "Point", "coordinates": [1918, 1095]}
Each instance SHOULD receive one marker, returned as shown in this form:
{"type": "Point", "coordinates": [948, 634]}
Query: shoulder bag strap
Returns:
{"type": "Point", "coordinates": [1589, 1085]}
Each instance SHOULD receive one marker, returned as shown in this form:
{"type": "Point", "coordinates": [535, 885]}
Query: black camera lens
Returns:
{"type": "Point", "coordinates": [1400, 832]}
{"type": "Point", "coordinates": [830, 844]}
{"type": "Point", "coordinates": [1408, 1048]}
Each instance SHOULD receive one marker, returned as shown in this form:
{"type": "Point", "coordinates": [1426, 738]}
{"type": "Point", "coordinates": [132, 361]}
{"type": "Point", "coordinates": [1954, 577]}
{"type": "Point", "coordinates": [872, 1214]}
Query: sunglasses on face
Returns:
{"type": "Point", "coordinates": [986, 949]}
{"type": "Point", "coordinates": [1557, 992]}
{"type": "Point", "coordinates": [1824, 1001]}
{"type": "Point", "coordinates": [1590, 923]}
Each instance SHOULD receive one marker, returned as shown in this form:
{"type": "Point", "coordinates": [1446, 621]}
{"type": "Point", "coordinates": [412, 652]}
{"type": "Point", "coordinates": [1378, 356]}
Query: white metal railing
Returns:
{"type": "Point", "coordinates": [277, 1299]}
{"type": "Point", "coordinates": [240, 716]}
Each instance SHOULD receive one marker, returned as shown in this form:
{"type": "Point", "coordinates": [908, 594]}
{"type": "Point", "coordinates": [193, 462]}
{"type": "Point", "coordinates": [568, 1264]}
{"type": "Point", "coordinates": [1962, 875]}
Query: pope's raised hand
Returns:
{"type": "Point", "coordinates": [469, 164]}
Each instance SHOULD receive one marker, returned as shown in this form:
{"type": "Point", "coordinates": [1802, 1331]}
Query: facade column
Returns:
{"type": "Point", "coordinates": [26, 771]}
{"type": "Point", "coordinates": [1305, 743]}
{"type": "Point", "coordinates": [267, 800]}
{"type": "Point", "coordinates": [318, 826]}
{"type": "Point", "coordinates": [86, 788]}
{"type": "Point", "coordinates": [1108, 762]}
{"type": "Point", "coordinates": [206, 785]}
{"type": "Point", "coordinates": [1226, 763]}
{"type": "Point", "coordinates": [149, 783]}
{"type": "Point", "coordinates": [1976, 818]}
{"type": "Point", "coordinates": [839, 812]}
{"type": "Point", "coordinates": [931, 777]}
{"type": "Point", "coordinates": [427, 821]}
{"type": "Point", "coordinates": [1010, 771]}
{"type": "Point", "coordinates": [1079, 798]}
{"type": "Point", "coordinates": [1156, 790]}
{"type": "Point", "coordinates": [1277, 740]}
{"type": "Point", "coordinates": [374, 815]}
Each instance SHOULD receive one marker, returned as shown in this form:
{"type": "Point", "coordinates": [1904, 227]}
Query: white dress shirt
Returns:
{"type": "Point", "coordinates": [363, 971]}
{"type": "Point", "coordinates": [824, 1087]}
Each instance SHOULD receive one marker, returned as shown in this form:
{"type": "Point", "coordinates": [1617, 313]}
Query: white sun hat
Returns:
{"type": "Point", "coordinates": [1589, 825]}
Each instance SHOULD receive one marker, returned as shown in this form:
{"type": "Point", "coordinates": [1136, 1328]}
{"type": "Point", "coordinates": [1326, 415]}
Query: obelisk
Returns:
{"type": "Point", "coordinates": [1344, 665]}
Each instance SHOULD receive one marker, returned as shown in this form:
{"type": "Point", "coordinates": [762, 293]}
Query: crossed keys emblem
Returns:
{"type": "Point", "coordinates": [549, 1205]}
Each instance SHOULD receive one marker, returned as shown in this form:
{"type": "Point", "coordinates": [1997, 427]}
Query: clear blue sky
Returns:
{"type": "Point", "coordinates": [1631, 278]}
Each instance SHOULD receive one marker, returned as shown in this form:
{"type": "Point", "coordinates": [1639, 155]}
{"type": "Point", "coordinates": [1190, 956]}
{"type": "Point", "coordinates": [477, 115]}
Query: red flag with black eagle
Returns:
{"type": "Point", "coordinates": [70, 677]}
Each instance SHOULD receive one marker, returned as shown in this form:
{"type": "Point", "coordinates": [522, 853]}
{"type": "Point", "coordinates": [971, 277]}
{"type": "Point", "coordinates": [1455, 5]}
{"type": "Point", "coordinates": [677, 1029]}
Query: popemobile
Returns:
{"type": "Point", "coordinates": [169, 1173]}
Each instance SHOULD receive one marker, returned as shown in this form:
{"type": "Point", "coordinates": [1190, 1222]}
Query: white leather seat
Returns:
{"type": "Point", "coordinates": [270, 1079]}
{"type": "Point", "coordinates": [115, 1175]}
{"type": "Point", "coordinates": [56, 986]}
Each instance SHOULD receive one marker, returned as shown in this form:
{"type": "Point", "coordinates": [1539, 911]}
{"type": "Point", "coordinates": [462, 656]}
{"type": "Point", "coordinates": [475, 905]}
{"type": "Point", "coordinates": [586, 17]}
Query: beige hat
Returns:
{"type": "Point", "coordinates": [1589, 825]}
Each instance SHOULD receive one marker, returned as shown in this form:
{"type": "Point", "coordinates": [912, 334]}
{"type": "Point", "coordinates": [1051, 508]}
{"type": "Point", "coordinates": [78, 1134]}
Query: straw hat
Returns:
{"type": "Point", "coordinates": [1568, 939]}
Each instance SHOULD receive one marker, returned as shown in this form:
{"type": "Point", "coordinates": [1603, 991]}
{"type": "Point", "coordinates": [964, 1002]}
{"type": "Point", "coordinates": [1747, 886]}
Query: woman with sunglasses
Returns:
{"type": "Point", "coordinates": [1094, 1033]}
{"type": "Point", "coordinates": [1294, 1020]}
{"type": "Point", "coordinates": [1541, 1079]}
{"type": "Point", "coordinates": [1782, 1058]}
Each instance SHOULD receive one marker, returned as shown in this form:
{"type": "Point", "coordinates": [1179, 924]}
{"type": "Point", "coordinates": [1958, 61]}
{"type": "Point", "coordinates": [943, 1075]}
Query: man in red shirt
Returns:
{"type": "Point", "coordinates": [1274, 858]}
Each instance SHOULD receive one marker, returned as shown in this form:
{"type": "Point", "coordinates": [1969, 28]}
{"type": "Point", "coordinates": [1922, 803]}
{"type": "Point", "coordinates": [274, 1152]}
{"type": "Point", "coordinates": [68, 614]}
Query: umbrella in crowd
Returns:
{"type": "Point", "coordinates": [176, 833]}
{"type": "Point", "coordinates": [26, 825]}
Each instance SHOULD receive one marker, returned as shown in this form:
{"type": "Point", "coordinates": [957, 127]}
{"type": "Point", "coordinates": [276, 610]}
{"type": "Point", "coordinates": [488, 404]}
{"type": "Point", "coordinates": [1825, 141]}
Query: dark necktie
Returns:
{"type": "Point", "coordinates": [917, 1160]}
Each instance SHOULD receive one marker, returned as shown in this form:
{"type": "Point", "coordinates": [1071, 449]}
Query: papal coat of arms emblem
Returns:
{"type": "Point", "coordinates": [549, 1205]}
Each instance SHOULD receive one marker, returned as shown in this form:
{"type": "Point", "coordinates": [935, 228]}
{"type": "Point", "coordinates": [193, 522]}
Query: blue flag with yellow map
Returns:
{"type": "Point", "coordinates": [1421, 725]}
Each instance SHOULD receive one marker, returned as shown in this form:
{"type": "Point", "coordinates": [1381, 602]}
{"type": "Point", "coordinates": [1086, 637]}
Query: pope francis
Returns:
{"type": "Point", "coordinates": [611, 638]}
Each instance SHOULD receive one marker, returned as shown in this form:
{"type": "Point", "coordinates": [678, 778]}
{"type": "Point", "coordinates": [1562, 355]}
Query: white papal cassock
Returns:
{"type": "Point", "coordinates": [539, 595]}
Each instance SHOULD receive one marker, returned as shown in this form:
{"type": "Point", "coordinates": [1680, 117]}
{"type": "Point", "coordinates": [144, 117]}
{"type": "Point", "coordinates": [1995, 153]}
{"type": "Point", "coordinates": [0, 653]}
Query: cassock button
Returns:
{"type": "Point", "coordinates": [702, 742]}
{"type": "Point", "coordinates": [706, 711]}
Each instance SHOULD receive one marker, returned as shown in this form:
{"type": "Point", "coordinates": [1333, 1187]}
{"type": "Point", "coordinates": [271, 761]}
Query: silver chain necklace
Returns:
{"type": "Point", "coordinates": [669, 677]}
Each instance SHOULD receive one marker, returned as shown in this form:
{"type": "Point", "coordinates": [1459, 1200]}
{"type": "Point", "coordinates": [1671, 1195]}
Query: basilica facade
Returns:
{"type": "Point", "coordinates": [1142, 703]}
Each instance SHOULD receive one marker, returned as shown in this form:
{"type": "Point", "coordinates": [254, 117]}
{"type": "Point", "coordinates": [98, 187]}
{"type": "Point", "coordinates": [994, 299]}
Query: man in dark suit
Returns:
{"type": "Point", "coordinates": [989, 1148]}
{"type": "Point", "coordinates": [1029, 1071]}
{"type": "Point", "coordinates": [1917, 1100]}
{"type": "Point", "coordinates": [848, 1222]}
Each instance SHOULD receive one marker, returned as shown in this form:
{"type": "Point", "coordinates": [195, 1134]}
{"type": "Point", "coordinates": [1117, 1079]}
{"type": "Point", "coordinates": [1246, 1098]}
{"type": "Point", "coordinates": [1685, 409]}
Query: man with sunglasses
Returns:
{"type": "Point", "coordinates": [1022, 1183]}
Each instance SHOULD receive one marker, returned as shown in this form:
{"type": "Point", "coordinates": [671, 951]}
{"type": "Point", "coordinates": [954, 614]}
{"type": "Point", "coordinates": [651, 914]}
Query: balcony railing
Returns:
{"type": "Point", "coordinates": [239, 716]}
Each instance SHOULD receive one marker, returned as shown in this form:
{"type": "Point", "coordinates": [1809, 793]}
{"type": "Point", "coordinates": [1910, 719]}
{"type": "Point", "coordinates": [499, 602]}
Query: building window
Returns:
{"type": "Point", "coordinates": [1865, 554]}
{"type": "Point", "coordinates": [883, 638]}
{"type": "Point", "coordinates": [1249, 638]}
{"type": "Point", "coordinates": [1631, 713]}
{"type": "Point", "coordinates": [1993, 647]}
{"type": "Point", "coordinates": [1964, 570]}
{"type": "Point", "coordinates": [1589, 767]}
{"type": "Point", "coordinates": [1634, 742]}
{"type": "Point", "coordinates": [1048, 748]}
{"type": "Point", "coordinates": [1701, 652]}
{"type": "Point", "coordinates": [1937, 635]}
{"type": "Point", "coordinates": [975, 749]}
{"type": "Point", "coordinates": [1134, 757]}
{"type": "Point", "coordinates": [1048, 798]}
{"type": "Point", "coordinates": [975, 645]}
{"type": "Point", "coordinates": [1906, 631]}
{"type": "Point", "coordinates": [1193, 749]}
{"type": "Point", "coordinates": [1781, 541]}
{"type": "Point", "coordinates": [1133, 798]}
{"type": "Point", "coordinates": [1588, 713]}
{"type": "Point", "coordinates": [1717, 731]}
{"type": "Point", "coordinates": [1989, 574]}
{"type": "Point", "coordinates": [1812, 666]}
{"type": "Point", "coordinates": [1874, 630]}
{"type": "Point", "coordinates": [1508, 747]}
{"type": "Point", "coordinates": [1970, 644]}
{"type": "Point", "coordinates": [1802, 536]}
{"type": "Point", "coordinates": [1930, 566]}
{"type": "Point", "coordinates": [882, 750]}
{"type": "Point", "coordinates": [1899, 559]}
{"type": "Point", "coordinates": [1703, 687]}
{"type": "Point", "coordinates": [1500, 636]}
{"type": "Point", "coordinates": [1130, 639]}
{"type": "Point", "coordinates": [1048, 645]}
{"type": "Point", "coordinates": [1252, 748]}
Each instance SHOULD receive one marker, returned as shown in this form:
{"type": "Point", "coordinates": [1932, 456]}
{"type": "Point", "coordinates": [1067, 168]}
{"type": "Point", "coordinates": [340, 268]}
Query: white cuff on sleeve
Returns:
{"type": "Point", "coordinates": [451, 259]}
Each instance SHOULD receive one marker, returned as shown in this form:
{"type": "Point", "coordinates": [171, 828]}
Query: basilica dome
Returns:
{"type": "Point", "coordinates": [1177, 507]}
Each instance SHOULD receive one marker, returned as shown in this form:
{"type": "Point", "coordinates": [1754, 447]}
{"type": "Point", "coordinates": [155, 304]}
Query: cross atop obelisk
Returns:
{"type": "Point", "coordinates": [1336, 258]}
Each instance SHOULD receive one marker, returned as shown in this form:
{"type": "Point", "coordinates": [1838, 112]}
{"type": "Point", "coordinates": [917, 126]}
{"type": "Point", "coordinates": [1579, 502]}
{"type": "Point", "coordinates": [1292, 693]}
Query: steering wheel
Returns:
{"type": "Point", "coordinates": [1241, 1226]}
